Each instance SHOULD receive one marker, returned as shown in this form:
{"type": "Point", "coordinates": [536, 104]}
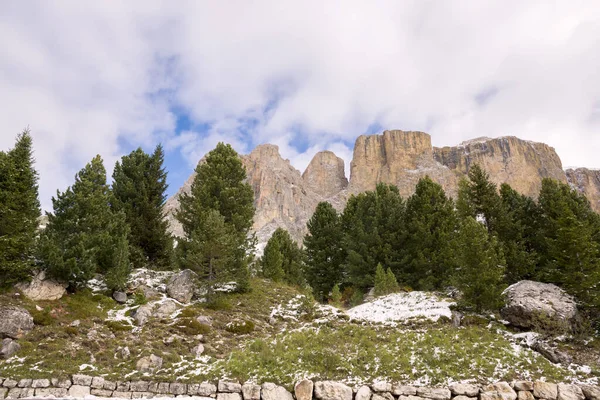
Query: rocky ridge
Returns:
{"type": "Point", "coordinates": [286, 198]}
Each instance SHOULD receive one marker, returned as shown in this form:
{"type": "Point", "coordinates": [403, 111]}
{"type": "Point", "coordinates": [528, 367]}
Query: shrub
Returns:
{"type": "Point", "coordinates": [43, 317]}
{"type": "Point", "coordinates": [190, 326]}
{"type": "Point", "coordinates": [240, 327]}
{"type": "Point", "coordinates": [118, 326]}
{"type": "Point", "coordinates": [218, 303]}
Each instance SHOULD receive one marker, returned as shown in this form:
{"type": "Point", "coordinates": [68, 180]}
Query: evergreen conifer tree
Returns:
{"type": "Point", "coordinates": [336, 296]}
{"type": "Point", "coordinates": [220, 185]}
{"type": "Point", "coordinates": [281, 243]}
{"type": "Point", "coordinates": [385, 281]}
{"type": "Point", "coordinates": [480, 272]}
{"type": "Point", "coordinates": [478, 198]}
{"type": "Point", "coordinates": [430, 222]}
{"type": "Point", "coordinates": [19, 210]}
{"type": "Point", "coordinates": [272, 260]}
{"type": "Point", "coordinates": [84, 235]}
{"type": "Point", "coordinates": [324, 254]}
{"type": "Point", "coordinates": [139, 187]}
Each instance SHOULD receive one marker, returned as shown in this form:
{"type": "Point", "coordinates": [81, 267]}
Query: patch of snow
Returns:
{"type": "Point", "coordinates": [399, 307]}
{"type": "Point", "coordinates": [87, 367]}
{"type": "Point", "coordinates": [97, 284]}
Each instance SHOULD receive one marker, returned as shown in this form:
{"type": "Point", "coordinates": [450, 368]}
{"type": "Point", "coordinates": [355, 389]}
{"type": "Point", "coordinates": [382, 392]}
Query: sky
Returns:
{"type": "Point", "coordinates": [106, 77]}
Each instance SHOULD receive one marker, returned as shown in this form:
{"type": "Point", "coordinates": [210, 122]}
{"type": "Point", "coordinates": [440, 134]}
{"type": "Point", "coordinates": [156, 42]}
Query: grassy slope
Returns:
{"type": "Point", "coordinates": [281, 351]}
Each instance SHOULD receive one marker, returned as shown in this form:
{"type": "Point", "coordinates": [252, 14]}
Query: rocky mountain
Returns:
{"type": "Point", "coordinates": [286, 198]}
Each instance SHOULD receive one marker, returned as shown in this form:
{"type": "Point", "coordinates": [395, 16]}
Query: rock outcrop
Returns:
{"type": "Point", "coordinates": [14, 322]}
{"type": "Point", "coordinates": [530, 304]}
{"type": "Point", "coordinates": [181, 286]}
{"type": "Point", "coordinates": [587, 181]}
{"type": "Point", "coordinates": [286, 198]}
{"type": "Point", "coordinates": [40, 288]}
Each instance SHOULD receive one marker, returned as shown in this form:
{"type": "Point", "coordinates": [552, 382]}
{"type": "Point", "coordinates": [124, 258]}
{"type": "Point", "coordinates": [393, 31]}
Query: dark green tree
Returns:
{"type": "Point", "coordinates": [220, 185]}
{"type": "Point", "coordinates": [272, 260]}
{"type": "Point", "coordinates": [324, 255]}
{"type": "Point", "coordinates": [480, 272]}
{"type": "Point", "coordinates": [373, 233]}
{"type": "Point", "coordinates": [19, 210]}
{"type": "Point", "coordinates": [84, 236]}
{"type": "Point", "coordinates": [430, 222]}
{"type": "Point", "coordinates": [336, 296]}
{"type": "Point", "coordinates": [139, 187]}
{"type": "Point", "coordinates": [282, 247]}
{"type": "Point", "coordinates": [385, 281]}
{"type": "Point", "coordinates": [478, 198]}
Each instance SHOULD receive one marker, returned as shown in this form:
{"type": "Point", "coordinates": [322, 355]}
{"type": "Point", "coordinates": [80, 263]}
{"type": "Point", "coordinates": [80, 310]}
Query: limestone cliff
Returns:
{"type": "Point", "coordinates": [587, 181]}
{"type": "Point", "coordinates": [520, 163]}
{"type": "Point", "coordinates": [325, 174]}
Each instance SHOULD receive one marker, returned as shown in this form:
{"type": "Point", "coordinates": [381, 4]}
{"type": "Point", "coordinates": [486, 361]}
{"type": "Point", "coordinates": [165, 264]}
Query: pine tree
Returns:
{"type": "Point", "coordinates": [139, 187]}
{"type": "Point", "coordinates": [336, 296]}
{"type": "Point", "coordinates": [430, 222]}
{"type": "Point", "coordinates": [373, 232]}
{"type": "Point", "coordinates": [385, 281]}
{"type": "Point", "coordinates": [480, 272]}
{"type": "Point", "coordinates": [84, 236]}
{"type": "Point", "coordinates": [324, 254]}
{"type": "Point", "coordinates": [220, 185]}
{"type": "Point", "coordinates": [272, 260]}
{"type": "Point", "coordinates": [478, 198]}
{"type": "Point", "coordinates": [19, 210]}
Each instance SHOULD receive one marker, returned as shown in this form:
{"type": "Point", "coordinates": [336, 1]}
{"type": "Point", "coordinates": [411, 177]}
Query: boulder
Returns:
{"type": "Point", "coordinates": [42, 289]}
{"type": "Point", "coordinates": [545, 390]}
{"type": "Point", "coordinates": [569, 392]}
{"type": "Point", "coordinates": [165, 309]}
{"type": "Point", "coordinates": [251, 391]}
{"type": "Point", "coordinates": [142, 314]}
{"type": "Point", "coordinates": [498, 391]}
{"type": "Point", "coordinates": [530, 304]}
{"type": "Point", "coordinates": [14, 322]}
{"type": "Point", "coordinates": [591, 392]}
{"type": "Point", "coordinates": [120, 297]}
{"type": "Point", "coordinates": [303, 390]}
{"type": "Point", "coordinates": [271, 391]}
{"type": "Point", "coordinates": [8, 348]}
{"type": "Point", "coordinates": [181, 286]}
{"type": "Point", "coordinates": [552, 354]}
{"type": "Point", "coordinates": [464, 389]}
{"type": "Point", "coordinates": [329, 390]}
{"type": "Point", "coordinates": [363, 393]}
{"type": "Point", "coordinates": [149, 364]}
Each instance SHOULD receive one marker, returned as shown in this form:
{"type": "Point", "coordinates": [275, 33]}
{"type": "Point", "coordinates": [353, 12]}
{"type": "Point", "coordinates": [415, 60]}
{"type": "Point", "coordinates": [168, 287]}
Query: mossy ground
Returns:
{"type": "Point", "coordinates": [244, 342]}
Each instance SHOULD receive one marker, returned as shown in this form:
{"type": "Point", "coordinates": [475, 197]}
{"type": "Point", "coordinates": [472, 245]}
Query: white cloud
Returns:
{"type": "Point", "coordinates": [87, 75]}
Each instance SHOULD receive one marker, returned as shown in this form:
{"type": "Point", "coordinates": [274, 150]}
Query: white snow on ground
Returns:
{"type": "Point", "coordinates": [399, 307]}
{"type": "Point", "coordinates": [295, 308]}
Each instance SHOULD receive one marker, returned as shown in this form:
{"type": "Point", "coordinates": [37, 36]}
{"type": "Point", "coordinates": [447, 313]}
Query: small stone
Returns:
{"type": "Point", "coordinates": [121, 395]}
{"type": "Point", "coordinates": [461, 397]}
{"type": "Point", "coordinates": [251, 391]}
{"type": "Point", "coordinates": [40, 383]}
{"type": "Point", "coordinates": [569, 392]}
{"type": "Point", "coordinates": [207, 389]}
{"type": "Point", "coordinates": [101, 392]}
{"type": "Point", "coordinates": [25, 383]}
{"type": "Point", "coordinates": [61, 383]}
{"type": "Point", "coordinates": [120, 297]}
{"type": "Point", "coordinates": [229, 396]}
{"type": "Point", "coordinates": [524, 385]}
{"type": "Point", "coordinates": [203, 319]}
{"type": "Point", "coordinates": [10, 383]}
{"type": "Point", "coordinates": [149, 364]}
{"type": "Point", "coordinates": [198, 350]}
{"type": "Point", "coordinates": [545, 390]}
{"type": "Point", "coordinates": [109, 385]}
{"type": "Point", "coordinates": [591, 392]}
{"type": "Point", "coordinates": [97, 382]}
{"type": "Point", "coordinates": [382, 396]}
{"type": "Point", "coordinates": [434, 393]}
{"type": "Point", "coordinates": [464, 389]}
{"type": "Point", "coordinates": [8, 348]}
{"type": "Point", "coordinates": [229, 387]}
{"type": "Point", "coordinates": [142, 395]}
{"type": "Point", "coordinates": [79, 391]}
{"type": "Point", "coordinates": [82, 380]}
{"type": "Point", "coordinates": [14, 393]}
{"type": "Point", "coordinates": [177, 388]}
{"type": "Point", "coordinates": [123, 386]}
{"type": "Point", "coordinates": [153, 387]}
{"type": "Point", "coordinates": [525, 395]}
{"type": "Point", "coordinates": [498, 391]}
{"type": "Point", "coordinates": [363, 393]}
{"type": "Point", "coordinates": [139, 386]}
{"type": "Point", "coordinates": [381, 386]}
{"type": "Point", "coordinates": [303, 389]}
{"type": "Point", "coordinates": [163, 388]}
{"type": "Point", "coordinates": [402, 390]}
{"type": "Point", "coordinates": [271, 391]}
{"type": "Point", "coordinates": [329, 390]}
{"type": "Point", "coordinates": [3, 392]}
{"type": "Point", "coordinates": [75, 323]}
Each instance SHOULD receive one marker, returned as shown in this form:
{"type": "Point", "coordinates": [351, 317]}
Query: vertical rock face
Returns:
{"type": "Point", "coordinates": [325, 174]}
{"type": "Point", "coordinates": [587, 181]}
{"type": "Point", "coordinates": [399, 158]}
{"type": "Point", "coordinates": [520, 163]}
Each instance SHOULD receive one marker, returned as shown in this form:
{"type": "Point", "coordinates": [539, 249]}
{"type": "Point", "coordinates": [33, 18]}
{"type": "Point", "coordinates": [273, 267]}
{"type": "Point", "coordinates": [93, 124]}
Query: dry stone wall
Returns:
{"type": "Point", "coordinates": [81, 386]}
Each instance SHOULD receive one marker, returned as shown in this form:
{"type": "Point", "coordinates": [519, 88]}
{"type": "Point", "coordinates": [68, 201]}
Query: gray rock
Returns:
{"type": "Point", "coordinates": [82, 380]}
{"type": "Point", "coordinates": [203, 319]}
{"type": "Point", "coordinates": [153, 387]}
{"type": "Point", "coordinates": [120, 297]}
{"type": "Point", "coordinates": [382, 396]}
{"type": "Point", "coordinates": [402, 390]}
{"type": "Point", "coordinates": [142, 395]}
{"type": "Point", "coordinates": [109, 385]}
{"type": "Point", "coordinates": [142, 314]}
{"type": "Point", "coordinates": [97, 382]}
{"type": "Point", "coordinates": [434, 393]}
{"type": "Point", "coordinates": [524, 395]}
{"type": "Point", "coordinates": [552, 354]}
{"type": "Point", "coordinates": [14, 322]}
{"type": "Point", "coordinates": [271, 391]}
{"type": "Point", "coordinates": [139, 386]}
{"type": "Point", "coordinates": [3, 392]}
{"type": "Point", "coordinates": [163, 388]}
{"type": "Point", "coordinates": [149, 364]}
{"type": "Point", "coordinates": [329, 390]}
{"type": "Point", "coordinates": [531, 304]}
{"type": "Point", "coordinates": [47, 392]}
{"type": "Point", "coordinates": [42, 289]}
{"type": "Point", "coordinates": [591, 392]}
{"type": "Point", "coordinates": [79, 391]}
{"type": "Point", "coordinates": [20, 393]}
{"type": "Point", "coordinates": [121, 395]}
{"type": "Point", "coordinates": [61, 383]}
{"type": "Point", "coordinates": [148, 292]}
{"type": "Point", "coordinates": [101, 392]}
{"type": "Point", "coordinates": [229, 396]}
{"type": "Point", "coordinates": [40, 383]}
{"type": "Point", "coordinates": [198, 350]}
{"type": "Point", "coordinates": [464, 389]}
{"type": "Point", "coordinates": [123, 386]}
{"type": "Point", "coordinates": [524, 385]}
{"type": "Point", "coordinates": [177, 388]}
{"type": "Point", "coordinates": [25, 383]}
{"type": "Point", "coordinates": [207, 389]}
{"type": "Point", "coordinates": [251, 391]}
{"type": "Point", "coordinates": [8, 348]}
{"type": "Point", "coordinates": [545, 390]}
{"type": "Point", "coordinates": [498, 391]}
{"type": "Point", "coordinates": [381, 386]}
{"type": "Point", "coordinates": [10, 383]}
{"type": "Point", "coordinates": [181, 286]}
{"type": "Point", "coordinates": [303, 390]}
{"type": "Point", "coordinates": [165, 309]}
{"type": "Point", "coordinates": [410, 397]}
{"type": "Point", "coordinates": [229, 387]}
{"type": "Point", "coordinates": [569, 392]}
{"type": "Point", "coordinates": [363, 393]}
